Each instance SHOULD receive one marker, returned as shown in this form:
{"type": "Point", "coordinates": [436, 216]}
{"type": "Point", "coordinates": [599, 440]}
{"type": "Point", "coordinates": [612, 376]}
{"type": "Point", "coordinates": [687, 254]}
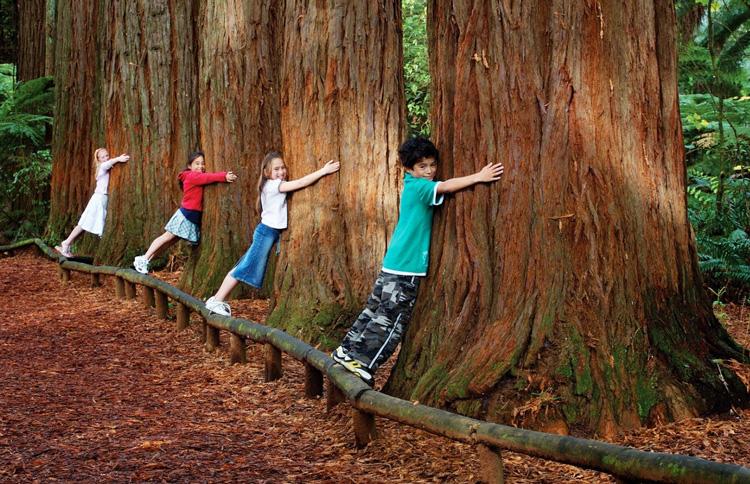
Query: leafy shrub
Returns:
{"type": "Point", "coordinates": [719, 209]}
{"type": "Point", "coordinates": [25, 118]}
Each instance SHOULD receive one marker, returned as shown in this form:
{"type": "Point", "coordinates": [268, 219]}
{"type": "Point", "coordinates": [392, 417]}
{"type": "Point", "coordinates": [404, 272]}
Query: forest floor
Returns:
{"type": "Point", "coordinates": [99, 389]}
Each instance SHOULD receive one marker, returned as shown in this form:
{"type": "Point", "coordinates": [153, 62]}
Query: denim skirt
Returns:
{"type": "Point", "coordinates": [252, 266]}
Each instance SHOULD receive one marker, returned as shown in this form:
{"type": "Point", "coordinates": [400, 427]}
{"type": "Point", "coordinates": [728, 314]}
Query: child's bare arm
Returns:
{"type": "Point", "coordinates": [307, 180]}
{"type": "Point", "coordinates": [490, 173]}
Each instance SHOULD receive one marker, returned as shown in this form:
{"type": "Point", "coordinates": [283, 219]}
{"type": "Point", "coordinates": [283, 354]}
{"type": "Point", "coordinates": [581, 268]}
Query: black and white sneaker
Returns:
{"type": "Point", "coordinates": [339, 355]}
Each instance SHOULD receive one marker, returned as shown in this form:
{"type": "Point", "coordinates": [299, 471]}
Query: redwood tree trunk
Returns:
{"type": "Point", "coordinates": [238, 56]}
{"type": "Point", "coordinates": [74, 136]}
{"type": "Point", "coordinates": [341, 98]}
{"type": "Point", "coordinates": [149, 110]}
{"type": "Point", "coordinates": [572, 286]}
{"type": "Point", "coordinates": [32, 39]}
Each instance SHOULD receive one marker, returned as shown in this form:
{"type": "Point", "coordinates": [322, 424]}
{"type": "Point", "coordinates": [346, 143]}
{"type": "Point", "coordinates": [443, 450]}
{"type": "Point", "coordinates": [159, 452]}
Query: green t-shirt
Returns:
{"type": "Point", "coordinates": [409, 250]}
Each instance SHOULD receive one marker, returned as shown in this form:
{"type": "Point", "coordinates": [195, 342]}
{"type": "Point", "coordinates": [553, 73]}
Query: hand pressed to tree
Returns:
{"type": "Point", "coordinates": [491, 172]}
{"type": "Point", "coordinates": [331, 166]}
{"type": "Point", "coordinates": [230, 177]}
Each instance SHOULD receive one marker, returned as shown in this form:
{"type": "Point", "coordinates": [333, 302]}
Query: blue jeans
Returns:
{"type": "Point", "coordinates": [251, 268]}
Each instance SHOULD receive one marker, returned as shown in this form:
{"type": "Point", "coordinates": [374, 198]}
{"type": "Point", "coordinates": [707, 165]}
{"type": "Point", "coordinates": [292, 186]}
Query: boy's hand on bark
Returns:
{"type": "Point", "coordinates": [491, 172]}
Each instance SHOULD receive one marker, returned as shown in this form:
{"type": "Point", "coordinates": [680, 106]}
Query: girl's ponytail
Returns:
{"type": "Point", "coordinates": [263, 178]}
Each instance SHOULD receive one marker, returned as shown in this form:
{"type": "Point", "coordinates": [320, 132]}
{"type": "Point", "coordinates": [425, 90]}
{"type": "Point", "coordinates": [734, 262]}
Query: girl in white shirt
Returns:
{"type": "Point", "coordinates": [272, 188]}
{"type": "Point", "coordinates": [92, 219]}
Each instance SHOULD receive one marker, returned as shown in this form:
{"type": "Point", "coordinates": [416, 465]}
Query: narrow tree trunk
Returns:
{"type": "Point", "coordinates": [74, 133]}
{"type": "Point", "coordinates": [341, 98]}
{"type": "Point", "coordinates": [32, 39]}
{"type": "Point", "coordinates": [50, 17]}
{"type": "Point", "coordinates": [238, 89]}
{"type": "Point", "coordinates": [150, 111]}
{"type": "Point", "coordinates": [572, 285]}
{"type": "Point", "coordinates": [9, 33]}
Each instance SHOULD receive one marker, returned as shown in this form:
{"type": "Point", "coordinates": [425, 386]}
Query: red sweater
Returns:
{"type": "Point", "coordinates": [192, 187]}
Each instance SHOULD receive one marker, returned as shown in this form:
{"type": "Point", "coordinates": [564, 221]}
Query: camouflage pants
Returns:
{"type": "Point", "coordinates": [377, 331]}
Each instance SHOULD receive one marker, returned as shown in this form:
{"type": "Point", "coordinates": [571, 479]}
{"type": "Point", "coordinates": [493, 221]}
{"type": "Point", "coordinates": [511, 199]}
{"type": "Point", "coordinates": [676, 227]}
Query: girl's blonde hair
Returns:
{"type": "Point", "coordinates": [264, 166]}
{"type": "Point", "coordinates": [96, 157]}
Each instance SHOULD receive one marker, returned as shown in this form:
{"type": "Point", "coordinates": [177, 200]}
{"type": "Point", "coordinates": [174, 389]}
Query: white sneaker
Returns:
{"type": "Point", "coordinates": [140, 264]}
{"type": "Point", "coordinates": [218, 307]}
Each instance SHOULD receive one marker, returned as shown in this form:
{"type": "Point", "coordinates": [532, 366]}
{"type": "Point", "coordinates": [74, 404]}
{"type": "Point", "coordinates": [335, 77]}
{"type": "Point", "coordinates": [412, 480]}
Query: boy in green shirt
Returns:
{"type": "Point", "coordinates": [378, 329]}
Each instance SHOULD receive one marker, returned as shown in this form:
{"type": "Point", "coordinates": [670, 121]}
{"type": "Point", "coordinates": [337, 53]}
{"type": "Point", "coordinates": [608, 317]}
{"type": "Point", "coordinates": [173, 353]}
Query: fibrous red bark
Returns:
{"type": "Point", "coordinates": [341, 98]}
{"type": "Point", "coordinates": [570, 290]}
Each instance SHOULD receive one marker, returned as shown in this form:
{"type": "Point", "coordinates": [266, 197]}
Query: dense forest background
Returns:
{"type": "Point", "coordinates": [714, 104]}
{"type": "Point", "coordinates": [592, 302]}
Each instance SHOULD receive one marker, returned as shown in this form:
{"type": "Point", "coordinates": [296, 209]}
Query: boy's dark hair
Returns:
{"type": "Point", "coordinates": [414, 149]}
{"type": "Point", "coordinates": [191, 157]}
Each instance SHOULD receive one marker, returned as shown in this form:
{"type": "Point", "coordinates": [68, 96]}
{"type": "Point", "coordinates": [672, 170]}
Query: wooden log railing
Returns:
{"type": "Point", "coordinates": [624, 463]}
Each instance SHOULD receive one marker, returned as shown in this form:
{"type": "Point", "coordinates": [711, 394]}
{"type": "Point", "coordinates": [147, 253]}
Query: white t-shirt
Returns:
{"type": "Point", "coordinates": [274, 205]}
{"type": "Point", "coordinates": [102, 177]}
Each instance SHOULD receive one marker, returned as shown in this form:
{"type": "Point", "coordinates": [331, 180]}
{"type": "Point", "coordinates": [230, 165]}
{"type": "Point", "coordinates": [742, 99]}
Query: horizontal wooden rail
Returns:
{"type": "Point", "coordinates": [622, 462]}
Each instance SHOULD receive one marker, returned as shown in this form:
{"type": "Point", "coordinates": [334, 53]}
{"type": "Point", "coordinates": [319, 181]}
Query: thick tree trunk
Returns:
{"type": "Point", "coordinates": [74, 133]}
{"type": "Point", "coordinates": [150, 111]}
{"type": "Point", "coordinates": [341, 98]}
{"type": "Point", "coordinates": [568, 293]}
{"type": "Point", "coordinates": [32, 39]}
{"type": "Point", "coordinates": [239, 103]}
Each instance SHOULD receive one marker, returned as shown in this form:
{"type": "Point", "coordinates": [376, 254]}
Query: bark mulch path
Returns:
{"type": "Point", "coordinates": [98, 389]}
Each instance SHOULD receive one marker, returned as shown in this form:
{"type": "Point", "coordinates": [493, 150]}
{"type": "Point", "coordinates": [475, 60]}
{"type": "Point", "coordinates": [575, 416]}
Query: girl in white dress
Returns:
{"type": "Point", "coordinates": [92, 219]}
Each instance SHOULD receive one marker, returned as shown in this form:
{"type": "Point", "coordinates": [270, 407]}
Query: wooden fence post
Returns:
{"type": "Point", "coordinates": [212, 338]}
{"type": "Point", "coordinates": [203, 330]}
{"type": "Point", "coordinates": [162, 304]}
{"type": "Point", "coordinates": [272, 363]}
{"type": "Point", "coordinates": [334, 396]}
{"type": "Point", "coordinates": [64, 275]}
{"type": "Point", "coordinates": [119, 287]}
{"type": "Point", "coordinates": [237, 349]}
{"type": "Point", "coordinates": [183, 317]}
{"type": "Point", "coordinates": [147, 296]}
{"type": "Point", "coordinates": [491, 464]}
{"type": "Point", "coordinates": [95, 281]}
{"type": "Point", "coordinates": [313, 381]}
{"type": "Point", "coordinates": [364, 427]}
{"type": "Point", "coordinates": [129, 290]}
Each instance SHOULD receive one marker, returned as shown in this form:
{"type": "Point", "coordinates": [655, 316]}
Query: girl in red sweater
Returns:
{"type": "Point", "coordinates": [186, 221]}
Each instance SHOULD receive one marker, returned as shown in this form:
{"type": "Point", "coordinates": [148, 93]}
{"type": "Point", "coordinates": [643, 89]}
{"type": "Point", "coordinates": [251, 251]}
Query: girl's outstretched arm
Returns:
{"type": "Point", "coordinates": [211, 177]}
{"type": "Point", "coordinates": [107, 165]}
{"type": "Point", "coordinates": [307, 180]}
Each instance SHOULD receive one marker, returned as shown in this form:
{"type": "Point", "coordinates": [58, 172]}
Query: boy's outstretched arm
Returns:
{"type": "Point", "coordinates": [490, 173]}
{"type": "Point", "coordinates": [307, 180]}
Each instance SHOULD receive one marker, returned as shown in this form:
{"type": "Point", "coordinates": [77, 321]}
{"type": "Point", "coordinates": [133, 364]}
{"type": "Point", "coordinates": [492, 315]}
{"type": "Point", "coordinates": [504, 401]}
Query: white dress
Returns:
{"type": "Point", "coordinates": [92, 219]}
